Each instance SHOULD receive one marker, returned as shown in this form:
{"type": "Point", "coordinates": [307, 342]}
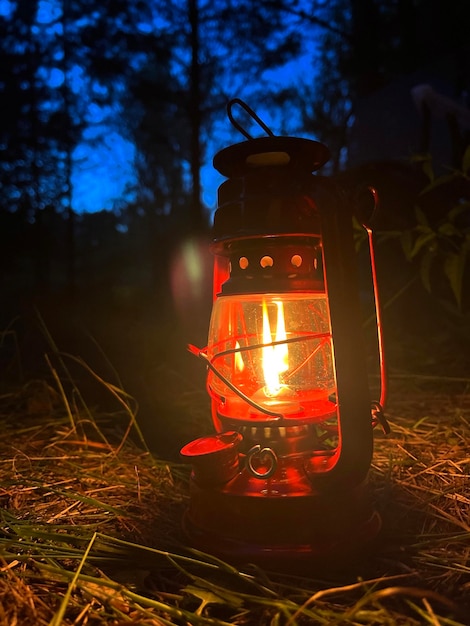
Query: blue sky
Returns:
{"type": "Point", "coordinates": [101, 172]}
{"type": "Point", "coordinates": [104, 161]}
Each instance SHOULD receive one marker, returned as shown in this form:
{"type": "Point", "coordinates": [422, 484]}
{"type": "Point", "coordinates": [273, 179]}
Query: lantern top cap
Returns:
{"type": "Point", "coordinates": [296, 153]}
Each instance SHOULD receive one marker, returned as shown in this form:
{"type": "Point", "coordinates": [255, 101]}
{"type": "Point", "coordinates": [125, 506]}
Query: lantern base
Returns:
{"type": "Point", "coordinates": [282, 533]}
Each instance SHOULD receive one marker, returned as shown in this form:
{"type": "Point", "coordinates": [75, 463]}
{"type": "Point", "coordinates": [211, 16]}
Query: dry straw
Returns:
{"type": "Point", "coordinates": [90, 524]}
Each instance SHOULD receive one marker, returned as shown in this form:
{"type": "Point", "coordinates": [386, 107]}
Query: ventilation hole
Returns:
{"type": "Point", "coordinates": [243, 262]}
{"type": "Point", "coordinates": [296, 260]}
{"type": "Point", "coordinates": [266, 261]}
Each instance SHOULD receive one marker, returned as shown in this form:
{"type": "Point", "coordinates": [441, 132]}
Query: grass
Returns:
{"type": "Point", "coordinates": [90, 522]}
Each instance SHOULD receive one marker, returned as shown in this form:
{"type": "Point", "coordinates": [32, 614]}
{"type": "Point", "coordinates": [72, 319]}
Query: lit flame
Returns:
{"type": "Point", "coordinates": [275, 358]}
{"type": "Point", "coordinates": [239, 364]}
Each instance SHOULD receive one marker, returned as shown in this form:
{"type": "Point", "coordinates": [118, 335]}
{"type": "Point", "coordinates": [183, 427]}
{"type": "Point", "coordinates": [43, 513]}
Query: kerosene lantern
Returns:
{"type": "Point", "coordinates": [284, 477]}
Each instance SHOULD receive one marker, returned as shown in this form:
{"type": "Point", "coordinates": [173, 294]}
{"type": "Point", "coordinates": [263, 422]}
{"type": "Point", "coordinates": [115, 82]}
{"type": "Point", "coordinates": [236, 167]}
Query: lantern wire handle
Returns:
{"type": "Point", "coordinates": [201, 354]}
{"type": "Point", "coordinates": [251, 113]}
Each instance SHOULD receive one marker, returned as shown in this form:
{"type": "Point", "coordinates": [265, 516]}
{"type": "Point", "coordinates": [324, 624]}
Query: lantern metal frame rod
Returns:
{"type": "Point", "coordinates": [378, 314]}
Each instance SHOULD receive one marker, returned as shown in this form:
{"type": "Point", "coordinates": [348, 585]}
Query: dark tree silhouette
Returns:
{"type": "Point", "coordinates": [368, 44]}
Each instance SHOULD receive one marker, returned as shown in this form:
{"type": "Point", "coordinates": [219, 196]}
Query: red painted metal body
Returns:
{"type": "Point", "coordinates": [285, 476]}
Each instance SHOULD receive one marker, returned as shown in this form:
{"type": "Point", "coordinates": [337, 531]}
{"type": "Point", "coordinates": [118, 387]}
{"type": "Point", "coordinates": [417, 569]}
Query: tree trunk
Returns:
{"type": "Point", "coordinates": [70, 236]}
{"type": "Point", "coordinates": [197, 217]}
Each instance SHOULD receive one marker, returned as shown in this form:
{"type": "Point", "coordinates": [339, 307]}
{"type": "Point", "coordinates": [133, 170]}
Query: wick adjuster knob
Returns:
{"type": "Point", "coordinates": [261, 462]}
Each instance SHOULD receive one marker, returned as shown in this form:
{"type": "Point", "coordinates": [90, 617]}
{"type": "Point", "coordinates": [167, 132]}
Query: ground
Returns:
{"type": "Point", "coordinates": [93, 491]}
{"type": "Point", "coordinates": [91, 530]}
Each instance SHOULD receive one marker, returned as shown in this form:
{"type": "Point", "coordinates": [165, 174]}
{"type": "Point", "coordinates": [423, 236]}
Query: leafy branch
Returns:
{"type": "Point", "coordinates": [441, 245]}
